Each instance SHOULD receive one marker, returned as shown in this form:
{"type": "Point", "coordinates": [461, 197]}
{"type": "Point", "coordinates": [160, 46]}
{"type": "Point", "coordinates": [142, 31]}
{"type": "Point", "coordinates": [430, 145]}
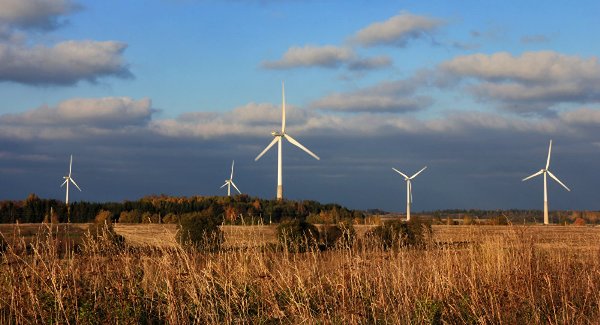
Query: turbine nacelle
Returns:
{"type": "Point", "coordinates": [276, 134]}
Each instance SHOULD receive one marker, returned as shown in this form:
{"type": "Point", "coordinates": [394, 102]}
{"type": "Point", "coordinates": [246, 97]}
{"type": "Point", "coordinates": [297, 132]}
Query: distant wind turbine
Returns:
{"type": "Point", "coordinates": [547, 171]}
{"type": "Point", "coordinates": [408, 189]}
{"type": "Point", "coordinates": [69, 179]}
{"type": "Point", "coordinates": [229, 182]}
{"type": "Point", "coordinates": [278, 139]}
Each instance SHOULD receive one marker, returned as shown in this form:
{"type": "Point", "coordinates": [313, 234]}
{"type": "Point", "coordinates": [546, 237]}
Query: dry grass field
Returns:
{"type": "Point", "coordinates": [468, 274]}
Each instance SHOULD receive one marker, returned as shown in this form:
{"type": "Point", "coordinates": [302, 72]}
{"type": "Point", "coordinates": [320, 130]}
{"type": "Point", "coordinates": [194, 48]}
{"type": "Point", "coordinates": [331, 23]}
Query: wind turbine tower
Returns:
{"type": "Point", "coordinates": [229, 182]}
{"type": "Point", "coordinates": [278, 138]}
{"type": "Point", "coordinates": [408, 189]}
{"type": "Point", "coordinates": [69, 179]}
{"type": "Point", "coordinates": [546, 171]}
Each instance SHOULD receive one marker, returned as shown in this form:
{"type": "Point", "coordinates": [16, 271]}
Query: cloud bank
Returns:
{"type": "Point", "coordinates": [531, 82]}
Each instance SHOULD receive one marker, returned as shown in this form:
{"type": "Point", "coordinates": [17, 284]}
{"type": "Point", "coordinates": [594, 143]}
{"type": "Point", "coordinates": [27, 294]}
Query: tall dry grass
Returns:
{"type": "Point", "coordinates": [507, 278]}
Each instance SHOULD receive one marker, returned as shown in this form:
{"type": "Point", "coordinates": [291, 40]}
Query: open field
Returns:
{"type": "Point", "coordinates": [556, 237]}
{"type": "Point", "coordinates": [163, 235]}
{"type": "Point", "coordinates": [471, 274]}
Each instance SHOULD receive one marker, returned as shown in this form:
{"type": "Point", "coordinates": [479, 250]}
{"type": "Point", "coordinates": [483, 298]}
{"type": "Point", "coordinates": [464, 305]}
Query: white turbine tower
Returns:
{"type": "Point", "coordinates": [69, 179]}
{"type": "Point", "coordinates": [547, 171]}
{"type": "Point", "coordinates": [229, 182]}
{"type": "Point", "coordinates": [408, 189]}
{"type": "Point", "coordinates": [278, 139]}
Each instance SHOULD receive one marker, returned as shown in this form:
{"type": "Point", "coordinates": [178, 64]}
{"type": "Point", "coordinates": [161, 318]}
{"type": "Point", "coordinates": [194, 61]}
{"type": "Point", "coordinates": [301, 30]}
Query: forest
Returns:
{"type": "Point", "coordinates": [244, 209]}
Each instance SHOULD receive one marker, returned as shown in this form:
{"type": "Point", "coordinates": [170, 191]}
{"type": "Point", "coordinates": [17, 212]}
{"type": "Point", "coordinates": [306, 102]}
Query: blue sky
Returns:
{"type": "Point", "coordinates": [159, 96]}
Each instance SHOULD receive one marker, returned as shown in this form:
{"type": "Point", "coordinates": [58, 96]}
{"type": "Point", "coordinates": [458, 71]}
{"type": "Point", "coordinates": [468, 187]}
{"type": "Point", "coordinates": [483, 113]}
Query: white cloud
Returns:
{"type": "Point", "coordinates": [78, 117]}
{"type": "Point", "coordinates": [370, 103]}
{"type": "Point", "coordinates": [66, 63]}
{"type": "Point", "coordinates": [253, 119]}
{"type": "Point", "coordinates": [40, 14]}
{"type": "Point", "coordinates": [533, 81]}
{"type": "Point", "coordinates": [544, 66]}
{"type": "Point", "coordinates": [395, 96]}
{"type": "Point", "coordinates": [397, 30]}
{"type": "Point", "coordinates": [326, 57]}
{"type": "Point", "coordinates": [310, 56]}
{"type": "Point", "coordinates": [377, 62]}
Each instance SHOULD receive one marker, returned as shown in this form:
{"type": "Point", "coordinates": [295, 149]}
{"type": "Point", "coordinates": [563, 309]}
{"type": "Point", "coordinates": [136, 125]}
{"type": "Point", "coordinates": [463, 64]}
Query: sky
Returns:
{"type": "Point", "coordinates": [160, 96]}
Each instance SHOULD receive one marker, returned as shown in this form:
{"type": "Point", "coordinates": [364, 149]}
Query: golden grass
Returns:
{"type": "Point", "coordinates": [499, 275]}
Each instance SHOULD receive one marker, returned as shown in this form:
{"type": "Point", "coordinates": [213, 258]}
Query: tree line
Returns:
{"type": "Point", "coordinates": [237, 209]}
{"type": "Point", "coordinates": [244, 209]}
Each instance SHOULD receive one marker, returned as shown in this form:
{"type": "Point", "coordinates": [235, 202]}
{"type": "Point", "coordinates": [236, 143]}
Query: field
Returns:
{"type": "Point", "coordinates": [466, 274]}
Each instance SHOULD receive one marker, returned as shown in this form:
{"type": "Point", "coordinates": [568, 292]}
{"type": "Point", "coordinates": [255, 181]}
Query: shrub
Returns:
{"type": "Point", "coordinates": [103, 216]}
{"type": "Point", "coordinates": [133, 216]}
{"type": "Point", "coordinates": [297, 236]}
{"type": "Point", "coordinates": [340, 235]}
{"type": "Point", "coordinates": [170, 218]}
{"type": "Point", "coordinates": [102, 231]}
{"type": "Point", "coordinates": [397, 233]}
{"type": "Point", "coordinates": [200, 231]}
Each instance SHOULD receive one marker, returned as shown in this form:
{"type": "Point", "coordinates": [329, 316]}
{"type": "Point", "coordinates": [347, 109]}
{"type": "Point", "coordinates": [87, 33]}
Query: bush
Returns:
{"type": "Point", "coordinates": [133, 216]}
{"type": "Point", "coordinates": [170, 218]}
{"type": "Point", "coordinates": [102, 231]}
{"type": "Point", "coordinates": [297, 236]}
{"type": "Point", "coordinates": [200, 231]}
{"type": "Point", "coordinates": [340, 235]}
{"type": "Point", "coordinates": [103, 217]}
{"type": "Point", "coordinates": [396, 233]}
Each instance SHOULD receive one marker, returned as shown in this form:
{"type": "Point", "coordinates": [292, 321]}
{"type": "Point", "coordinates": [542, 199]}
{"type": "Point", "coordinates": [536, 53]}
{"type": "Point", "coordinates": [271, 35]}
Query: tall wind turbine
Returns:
{"type": "Point", "coordinates": [69, 179]}
{"type": "Point", "coordinates": [547, 171]}
{"type": "Point", "coordinates": [408, 189]}
{"type": "Point", "coordinates": [229, 182]}
{"type": "Point", "coordinates": [278, 138]}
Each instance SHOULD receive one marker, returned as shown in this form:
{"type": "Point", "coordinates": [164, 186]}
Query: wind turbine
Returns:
{"type": "Point", "coordinates": [278, 138]}
{"type": "Point", "coordinates": [408, 189]}
{"type": "Point", "coordinates": [69, 179]}
{"type": "Point", "coordinates": [230, 182]}
{"type": "Point", "coordinates": [547, 171]}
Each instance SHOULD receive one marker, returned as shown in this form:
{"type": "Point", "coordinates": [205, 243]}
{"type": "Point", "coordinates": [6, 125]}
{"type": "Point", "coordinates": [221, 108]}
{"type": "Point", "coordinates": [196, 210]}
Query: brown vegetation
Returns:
{"type": "Point", "coordinates": [509, 274]}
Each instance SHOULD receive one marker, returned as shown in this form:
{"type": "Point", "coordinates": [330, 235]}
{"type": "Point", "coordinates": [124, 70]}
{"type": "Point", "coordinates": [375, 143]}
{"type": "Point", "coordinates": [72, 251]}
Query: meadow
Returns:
{"type": "Point", "coordinates": [465, 274]}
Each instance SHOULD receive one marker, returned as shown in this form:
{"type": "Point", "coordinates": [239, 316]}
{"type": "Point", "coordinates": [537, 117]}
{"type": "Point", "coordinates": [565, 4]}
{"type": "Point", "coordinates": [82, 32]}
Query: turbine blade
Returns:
{"type": "Point", "coordinates": [549, 151]}
{"type": "Point", "coordinates": [297, 144]}
{"type": "Point", "coordinates": [410, 190]}
{"type": "Point", "coordinates": [415, 175]}
{"type": "Point", "coordinates": [282, 107]}
{"type": "Point", "coordinates": [534, 175]}
{"type": "Point", "coordinates": [232, 183]}
{"type": "Point", "coordinates": [267, 148]}
{"type": "Point", "coordinates": [223, 185]}
{"type": "Point", "coordinates": [559, 182]}
{"type": "Point", "coordinates": [401, 173]}
{"type": "Point", "coordinates": [231, 177]}
{"type": "Point", "coordinates": [73, 181]}
{"type": "Point", "coordinates": [65, 182]}
{"type": "Point", "coordinates": [70, 165]}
